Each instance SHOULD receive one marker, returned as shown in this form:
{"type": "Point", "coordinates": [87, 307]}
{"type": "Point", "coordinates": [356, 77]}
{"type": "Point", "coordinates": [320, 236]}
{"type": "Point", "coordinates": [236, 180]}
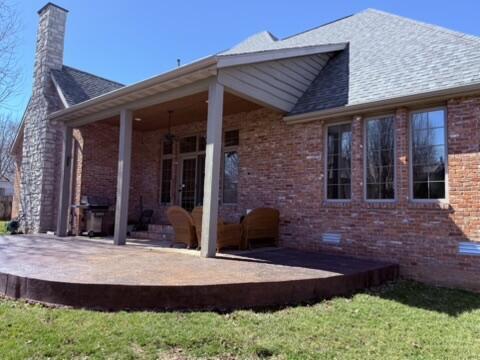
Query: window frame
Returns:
{"type": "Point", "coordinates": [325, 165]}
{"type": "Point", "coordinates": [166, 157]}
{"type": "Point", "coordinates": [410, 154]}
{"type": "Point", "coordinates": [227, 149]}
{"type": "Point", "coordinates": [365, 137]}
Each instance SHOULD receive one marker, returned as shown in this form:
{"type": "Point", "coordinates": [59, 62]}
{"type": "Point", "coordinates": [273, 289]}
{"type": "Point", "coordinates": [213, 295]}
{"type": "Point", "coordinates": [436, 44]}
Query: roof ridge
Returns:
{"type": "Point", "coordinates": [319, 26]}
{"type": "Point", "coordinates": [90, 74]}
{"type": "Point", "coordinates": [430, 26]}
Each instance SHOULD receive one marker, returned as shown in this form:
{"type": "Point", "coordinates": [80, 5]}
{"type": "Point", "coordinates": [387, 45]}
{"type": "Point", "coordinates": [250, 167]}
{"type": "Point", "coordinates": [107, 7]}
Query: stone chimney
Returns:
{"type": "Point", "coordinates": [41, 139]}
{"type": "Point", "coordinates": [50, 42]}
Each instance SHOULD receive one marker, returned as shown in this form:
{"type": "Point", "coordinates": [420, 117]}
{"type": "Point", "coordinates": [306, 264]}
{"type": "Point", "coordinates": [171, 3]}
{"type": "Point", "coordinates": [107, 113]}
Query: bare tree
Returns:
{"type": "Point", "coordinates": [8, 129]}
{"type": "Point", "coordinates": [9, 68]}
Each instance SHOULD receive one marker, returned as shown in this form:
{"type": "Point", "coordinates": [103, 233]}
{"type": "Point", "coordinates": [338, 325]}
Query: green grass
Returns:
{"type": "Point", "coordinates": [3, 227]}
{"type": "Point", "coordinates": [403, 320]}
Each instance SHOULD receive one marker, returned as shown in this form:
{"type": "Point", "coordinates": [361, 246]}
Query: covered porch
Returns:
{"type": "Point", "coordinates": [174, 153]}
{"type": "Point", "coordinates": [179, 117]}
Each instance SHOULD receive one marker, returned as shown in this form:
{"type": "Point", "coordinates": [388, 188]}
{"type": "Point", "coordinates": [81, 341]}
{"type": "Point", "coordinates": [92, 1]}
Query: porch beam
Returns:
{"type": "Point", "coordinates": [212, 169]}
{"type": "Point", "coordinates": [65, 183]}
{"type": "Point", "coordinates": [123, 176]}
{"type": "Point", "coordinates": [164, 96]}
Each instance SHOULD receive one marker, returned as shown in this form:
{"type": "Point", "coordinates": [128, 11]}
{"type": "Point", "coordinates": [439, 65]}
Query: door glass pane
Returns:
{"type": "Point", "coordinates": [189, 167]}
{"type": "Point", "coordinates": [339, 150]}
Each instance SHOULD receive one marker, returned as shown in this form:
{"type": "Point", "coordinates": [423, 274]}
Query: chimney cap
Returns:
{"type": "Point", "coordinates": [51, 4]}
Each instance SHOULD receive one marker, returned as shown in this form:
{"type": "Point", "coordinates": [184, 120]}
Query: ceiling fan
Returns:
{"type": "Point", "coordinates": [169, 137]}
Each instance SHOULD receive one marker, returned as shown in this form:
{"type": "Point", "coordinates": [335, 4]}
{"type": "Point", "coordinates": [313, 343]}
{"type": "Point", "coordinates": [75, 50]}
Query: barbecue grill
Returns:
{"type": "Point", "coordinates": [94, 208]}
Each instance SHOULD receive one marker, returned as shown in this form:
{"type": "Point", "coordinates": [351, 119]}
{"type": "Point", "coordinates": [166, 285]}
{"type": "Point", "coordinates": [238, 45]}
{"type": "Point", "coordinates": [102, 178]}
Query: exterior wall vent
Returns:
{"type": "Point", "coordinates": [469, 248]}
{"type": "Point", "coordinates": [331, 238]}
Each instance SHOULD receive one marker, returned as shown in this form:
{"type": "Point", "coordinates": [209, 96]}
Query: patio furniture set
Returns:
{"type": "Point", "coordinates": [259, 226]}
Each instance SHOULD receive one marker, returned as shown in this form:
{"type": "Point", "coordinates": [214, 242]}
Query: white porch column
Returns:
{"type": "Point", "coordinates": [212, 169]}
{"type": "Point", "coordinates": [123, 177]}
{"type": "Point", "coordinates": [65, 183]}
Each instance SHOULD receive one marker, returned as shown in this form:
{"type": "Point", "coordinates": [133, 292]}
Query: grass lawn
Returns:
{"type": "Point", "coordinates": [3, 227]}
{"type": "Point", "coordinates": [406, 319]}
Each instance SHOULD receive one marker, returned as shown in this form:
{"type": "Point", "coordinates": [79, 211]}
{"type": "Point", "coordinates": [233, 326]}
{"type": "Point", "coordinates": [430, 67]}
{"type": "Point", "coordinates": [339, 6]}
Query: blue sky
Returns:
{"type": "Point", "coordinates": [128, 41]}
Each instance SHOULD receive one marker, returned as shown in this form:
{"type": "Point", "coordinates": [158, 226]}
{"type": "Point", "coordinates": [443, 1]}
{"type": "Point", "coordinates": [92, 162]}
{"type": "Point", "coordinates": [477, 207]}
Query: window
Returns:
{"type": "Point", "coordinates": [166, 178]}
{"type": "Point", "coordinates": [166, 181]}
{"type": "Point", "coordinates": [231, 138]}
{"type": "Point", "coordinates": [339, 151]}
{"type": "Point", "coordinates": [188, 144]}
{"type": "Point", "coordinates": [230, 177]}
{"type": "Point", "coordinates": [428, 154]}
{"type": "Point", "coordinates": [230, 167]}
{"type": "Point", "coordinates": [168, 148]}
{"type": "Point", "coordinates": [380, 158]}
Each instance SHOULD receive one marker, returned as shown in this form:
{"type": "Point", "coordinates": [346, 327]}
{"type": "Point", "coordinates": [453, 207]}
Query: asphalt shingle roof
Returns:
{"type": "Point", "coordinates": [78, 86]}
{"type": "Point", "coordinates": [389, 56]}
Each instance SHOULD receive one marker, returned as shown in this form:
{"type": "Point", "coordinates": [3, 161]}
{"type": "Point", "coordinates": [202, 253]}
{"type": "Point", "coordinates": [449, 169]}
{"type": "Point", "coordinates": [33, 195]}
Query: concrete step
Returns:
{"type": "Point", "coordinates": [160, 228]}
{"type": "Point", "coordinates": [151, 235]}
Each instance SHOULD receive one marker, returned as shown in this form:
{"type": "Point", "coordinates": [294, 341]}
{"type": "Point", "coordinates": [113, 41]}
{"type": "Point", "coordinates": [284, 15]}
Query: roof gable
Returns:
{"type": "Point", "coordinates": [77, 86]}
{"type": "Point", "coordinates": [389, 56]}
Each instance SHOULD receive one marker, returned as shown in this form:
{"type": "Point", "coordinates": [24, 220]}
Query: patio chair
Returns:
{"type": "Point", "coordinates": [183, 226]}
{"type": "Point", "coordinates": [261, 224]}
{"type": "Point", "coordinates": [228, 235]}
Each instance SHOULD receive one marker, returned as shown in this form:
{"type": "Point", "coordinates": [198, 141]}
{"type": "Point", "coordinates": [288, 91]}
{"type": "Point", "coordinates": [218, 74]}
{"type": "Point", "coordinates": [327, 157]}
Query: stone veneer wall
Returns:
{"type": "Point", "coordinates": [283, 166]}
{"type": "Point", "coordinates": [42, 140]}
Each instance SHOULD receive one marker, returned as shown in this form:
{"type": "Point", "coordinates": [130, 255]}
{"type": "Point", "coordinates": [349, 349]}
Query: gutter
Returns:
{"type": "Point", "coordinates": [430, 96]}
{"type": "Point", "coordinates": [172, 74]}
{"type": "Point", "coordinates": [219, 60]}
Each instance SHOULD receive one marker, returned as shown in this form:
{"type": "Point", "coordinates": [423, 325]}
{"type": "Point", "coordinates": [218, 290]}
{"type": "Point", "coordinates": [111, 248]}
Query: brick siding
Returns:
{"type": "Point", "coordinates": [282, 166]}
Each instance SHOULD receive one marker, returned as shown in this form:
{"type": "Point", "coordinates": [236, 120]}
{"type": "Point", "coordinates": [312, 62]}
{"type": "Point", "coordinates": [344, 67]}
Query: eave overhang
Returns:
{"type": "Point", "coordinates": [418, 99]}
{"type": "Point", "coordinates": [193, 76]}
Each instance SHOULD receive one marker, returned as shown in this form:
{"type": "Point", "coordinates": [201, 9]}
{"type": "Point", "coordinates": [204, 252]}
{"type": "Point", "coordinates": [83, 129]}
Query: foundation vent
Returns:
{"type": "Point", "coordinates": [469, 248]}
{"type": "Point", "coordinates": [331, 238]}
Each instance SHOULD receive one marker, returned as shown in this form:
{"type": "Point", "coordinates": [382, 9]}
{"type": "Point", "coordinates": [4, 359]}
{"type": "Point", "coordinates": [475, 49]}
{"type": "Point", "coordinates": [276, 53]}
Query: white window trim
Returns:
{"type": "Point", "coordinates": [197, 150]}
{"type": "Point", "coordinates": [226, 149]}
{"type": "Point", "coordinates": [410, 157]}
{"type": "Point", "coordinates": [188, 155]}
{"type": "Point", "coordinates": [166, 157]}
{"type": "Point", "coordinates": [395, 185]}
{"type": "Point", "coordinates": [325, 165]}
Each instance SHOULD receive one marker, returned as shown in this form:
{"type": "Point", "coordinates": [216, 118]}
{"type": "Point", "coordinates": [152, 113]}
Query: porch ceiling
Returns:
{"type": "Point", "coordinates": [185, 110]}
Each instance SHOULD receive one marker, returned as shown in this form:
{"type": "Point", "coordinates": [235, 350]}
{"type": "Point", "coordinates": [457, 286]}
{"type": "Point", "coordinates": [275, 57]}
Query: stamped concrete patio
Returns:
{"type": "Point", "coordinates": [94, 274]}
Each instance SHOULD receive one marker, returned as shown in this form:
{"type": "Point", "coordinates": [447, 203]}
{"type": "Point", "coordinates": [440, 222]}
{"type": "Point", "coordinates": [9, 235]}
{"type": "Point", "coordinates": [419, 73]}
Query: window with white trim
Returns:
{"type": "Point", "coordinates": [339, 160]}
{"type": "Point", "coordinates": [428, 154]}
{"type": "Point", "coordinates": [380, 158]}
{"type": "Point", "coordinates": [166, 179]}
{"type": "Point", "coordinates": [230, 167]}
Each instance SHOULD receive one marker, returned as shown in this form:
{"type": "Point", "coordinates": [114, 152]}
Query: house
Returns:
{"type": "Point", "coordinates": [363, 132]}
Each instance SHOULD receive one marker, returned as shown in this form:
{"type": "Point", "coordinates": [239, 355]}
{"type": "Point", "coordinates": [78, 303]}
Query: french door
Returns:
{"type": "Point", "coordinates": [192, 176]}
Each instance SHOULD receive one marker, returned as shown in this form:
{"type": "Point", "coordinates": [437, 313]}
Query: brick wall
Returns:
{"type": "Point", "coordinates": [283, 166]}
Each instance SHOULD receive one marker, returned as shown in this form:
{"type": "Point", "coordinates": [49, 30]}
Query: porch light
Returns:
{"type": "Point", "coordinates": [138, 119]}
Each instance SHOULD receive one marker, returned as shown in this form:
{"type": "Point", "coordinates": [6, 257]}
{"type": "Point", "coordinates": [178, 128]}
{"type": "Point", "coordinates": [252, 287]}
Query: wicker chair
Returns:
{"type": "Point", "coordinates": [261, 224]}
{"type": "Point", "coordinates": [228, 235]}
{"type": "Point", "coordinates": [183, 226]}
